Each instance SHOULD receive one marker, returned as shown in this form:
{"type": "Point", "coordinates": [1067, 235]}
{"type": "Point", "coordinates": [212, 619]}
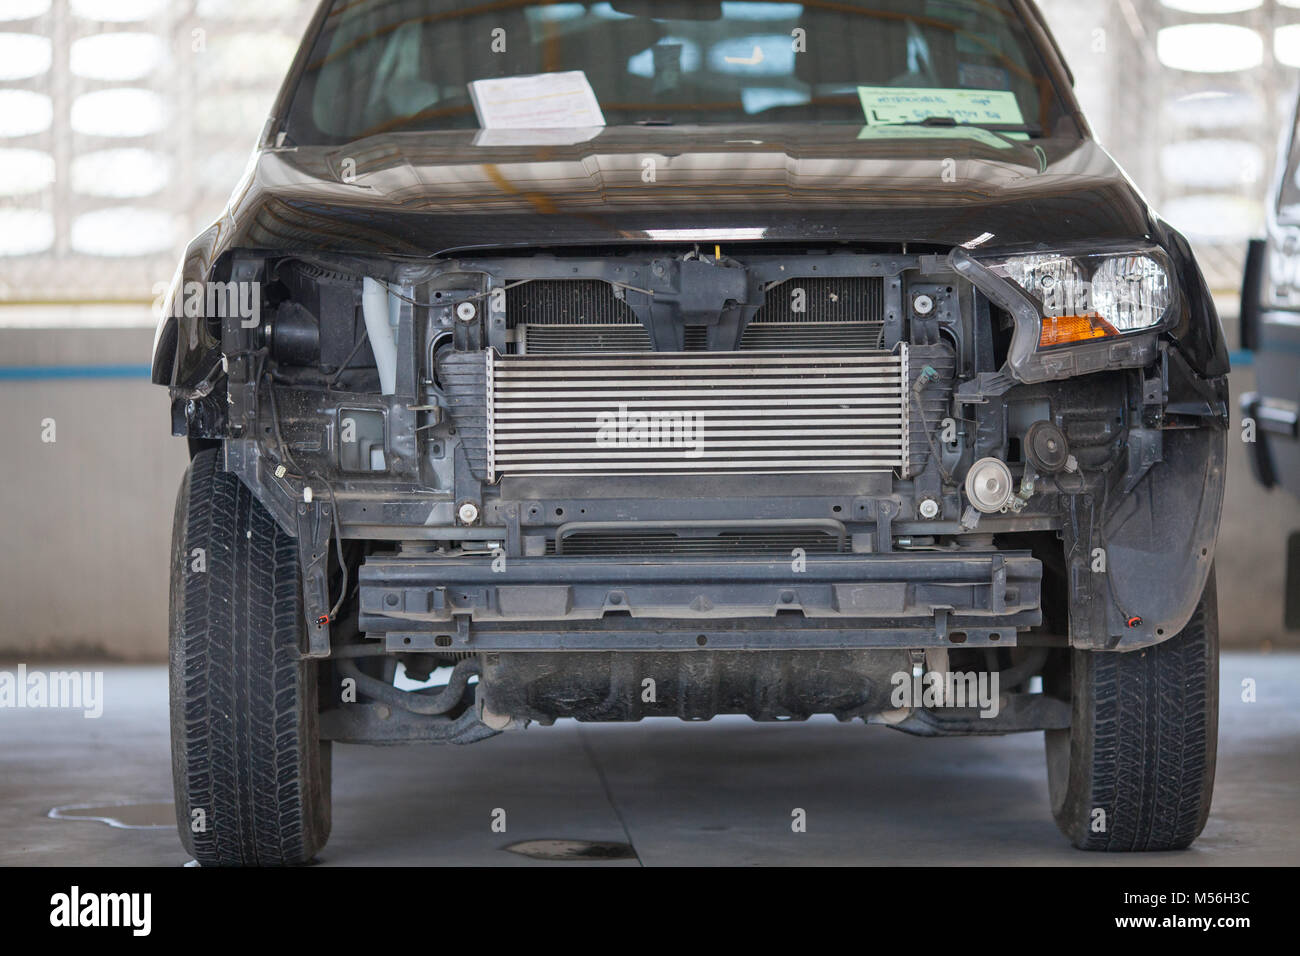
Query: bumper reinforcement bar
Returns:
{"type": "Point", "coordinates": [431, 603]}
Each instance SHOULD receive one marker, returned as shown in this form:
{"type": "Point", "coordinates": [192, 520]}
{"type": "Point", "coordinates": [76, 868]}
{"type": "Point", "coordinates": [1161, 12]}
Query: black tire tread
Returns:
{"type": "Point", "coordinates": [245, 742]}
{"type": "Point", "coordinates": [1143, 742]}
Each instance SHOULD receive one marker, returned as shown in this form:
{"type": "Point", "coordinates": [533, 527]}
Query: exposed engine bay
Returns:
{"type": "Point", "coordinates": [707, 449]}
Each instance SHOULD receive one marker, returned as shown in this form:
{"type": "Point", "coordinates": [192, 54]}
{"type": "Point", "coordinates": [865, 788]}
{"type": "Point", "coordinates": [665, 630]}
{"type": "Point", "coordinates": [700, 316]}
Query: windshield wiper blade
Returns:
{"type": "Point", "coordinates": [654, 121]}
{"type": "Point", "coordinates": [949, 122]}
{"type": "Point", "coordinates": [1032, 129]}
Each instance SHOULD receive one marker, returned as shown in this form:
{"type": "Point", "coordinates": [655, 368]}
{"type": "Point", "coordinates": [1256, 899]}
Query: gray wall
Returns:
{"type": "Point", "coordinates": [85, 521]}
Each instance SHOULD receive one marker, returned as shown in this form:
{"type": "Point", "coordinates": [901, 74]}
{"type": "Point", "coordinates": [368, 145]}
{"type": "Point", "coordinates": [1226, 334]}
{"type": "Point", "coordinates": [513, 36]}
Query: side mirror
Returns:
{"type": "Point", "coordinates": [1251, 284]}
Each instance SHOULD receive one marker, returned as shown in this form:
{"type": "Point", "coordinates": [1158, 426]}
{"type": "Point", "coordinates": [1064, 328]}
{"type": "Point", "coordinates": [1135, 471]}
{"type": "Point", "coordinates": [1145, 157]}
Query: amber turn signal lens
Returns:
{"type": "Point", "coordinates": [1064, 329]}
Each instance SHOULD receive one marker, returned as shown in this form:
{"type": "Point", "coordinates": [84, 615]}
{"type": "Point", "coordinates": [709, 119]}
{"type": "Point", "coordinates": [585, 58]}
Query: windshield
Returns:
{"type": "Point", "coordinates": [389, 65]}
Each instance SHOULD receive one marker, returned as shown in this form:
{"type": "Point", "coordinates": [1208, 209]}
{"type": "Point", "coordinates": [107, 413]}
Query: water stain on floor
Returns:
{"type": "Point", "coordinates": [125, 816]}
{"type": "Point", "coordinates": [573, 850]}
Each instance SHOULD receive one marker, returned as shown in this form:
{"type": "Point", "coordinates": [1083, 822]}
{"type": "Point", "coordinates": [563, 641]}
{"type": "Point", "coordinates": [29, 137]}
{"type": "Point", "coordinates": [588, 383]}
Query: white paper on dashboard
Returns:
{"type": "Point", "coordinates": [540, 101]}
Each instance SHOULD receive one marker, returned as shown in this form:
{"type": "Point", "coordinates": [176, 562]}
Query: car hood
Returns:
{"type": "Point", "coordinates": [425, 194]}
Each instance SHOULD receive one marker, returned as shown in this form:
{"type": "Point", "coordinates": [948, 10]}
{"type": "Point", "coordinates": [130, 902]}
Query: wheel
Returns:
{"type": "Point", "coordinates": [251, 776]}
{"type": "Point", "coordinates": [1135, 771]}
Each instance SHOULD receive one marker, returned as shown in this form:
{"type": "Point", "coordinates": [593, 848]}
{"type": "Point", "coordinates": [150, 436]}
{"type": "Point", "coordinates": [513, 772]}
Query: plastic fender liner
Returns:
{"type": "Point", "coordinates": [1160, 540]}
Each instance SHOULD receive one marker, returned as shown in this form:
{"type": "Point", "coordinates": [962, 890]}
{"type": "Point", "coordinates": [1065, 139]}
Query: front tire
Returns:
{"type": "Point", "coordinates": [1135, 771]}
{"type": "Point", "coordinates": [251, 775]}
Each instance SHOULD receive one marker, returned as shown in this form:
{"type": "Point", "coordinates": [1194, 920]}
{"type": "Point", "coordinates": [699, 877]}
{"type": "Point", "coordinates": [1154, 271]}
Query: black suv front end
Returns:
{"type": "Point", "coordinates": [775, 420]}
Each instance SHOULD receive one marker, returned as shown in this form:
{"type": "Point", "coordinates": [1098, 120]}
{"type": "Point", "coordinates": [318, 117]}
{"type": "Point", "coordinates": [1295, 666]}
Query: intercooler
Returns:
{"type": "Point", "coordinates": [693, 412]}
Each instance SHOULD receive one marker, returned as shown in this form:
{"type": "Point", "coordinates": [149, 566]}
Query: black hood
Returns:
{"type": "Point", "coordinates": [424, 194]}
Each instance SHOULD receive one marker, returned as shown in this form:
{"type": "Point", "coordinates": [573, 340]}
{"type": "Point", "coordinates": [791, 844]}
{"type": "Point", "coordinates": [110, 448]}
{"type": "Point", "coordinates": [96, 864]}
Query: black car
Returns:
{"type": "Point", "coordinates": [630, 359]}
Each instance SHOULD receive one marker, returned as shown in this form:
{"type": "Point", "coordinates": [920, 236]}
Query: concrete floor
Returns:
{"type": "Point", "coordinates": [711, 793]}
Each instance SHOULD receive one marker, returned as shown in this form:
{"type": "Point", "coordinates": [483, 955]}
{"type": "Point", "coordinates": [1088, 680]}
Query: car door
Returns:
{"type": "Point", "coordinates": [1271, 327]}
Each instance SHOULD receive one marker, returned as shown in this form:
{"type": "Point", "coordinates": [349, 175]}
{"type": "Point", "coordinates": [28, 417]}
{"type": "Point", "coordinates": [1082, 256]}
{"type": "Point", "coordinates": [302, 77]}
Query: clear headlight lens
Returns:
{"type": "Point", "coordinates": [1058, 282]}
{"type": "Point", "coordinates": [1095, 296]}
{"type": "Point", "coordinates": [1131, 292]}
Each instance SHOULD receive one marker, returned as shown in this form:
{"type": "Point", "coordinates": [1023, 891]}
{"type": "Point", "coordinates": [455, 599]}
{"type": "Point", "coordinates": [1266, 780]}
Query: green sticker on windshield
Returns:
{"type": "Point", "coordinates": [889, 106]}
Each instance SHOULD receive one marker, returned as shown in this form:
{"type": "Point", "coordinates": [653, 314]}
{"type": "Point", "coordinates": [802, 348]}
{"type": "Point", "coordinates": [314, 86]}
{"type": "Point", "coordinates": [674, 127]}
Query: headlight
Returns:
{"type": "Point", "coordinates": [1082, 298]}
{"type": "Point", "coordinates": [1131, 292]}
